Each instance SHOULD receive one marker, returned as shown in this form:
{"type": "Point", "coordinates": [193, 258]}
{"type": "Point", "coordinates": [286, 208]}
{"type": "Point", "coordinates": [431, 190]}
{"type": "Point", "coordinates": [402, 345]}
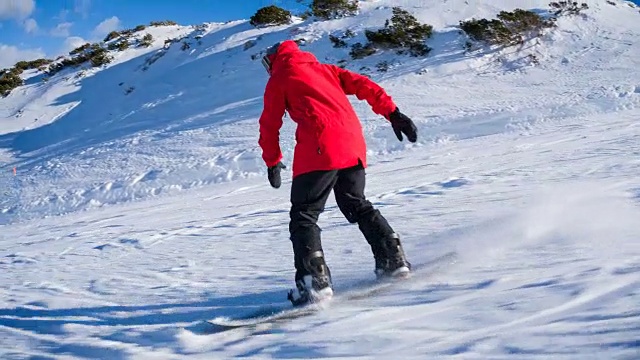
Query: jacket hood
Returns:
{"type": "Point", "coordinates": [289, 54]}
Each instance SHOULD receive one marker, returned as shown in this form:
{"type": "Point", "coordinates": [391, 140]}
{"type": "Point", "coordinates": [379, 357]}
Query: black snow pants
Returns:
{"type": "Point", "coordinates": [309, 194]}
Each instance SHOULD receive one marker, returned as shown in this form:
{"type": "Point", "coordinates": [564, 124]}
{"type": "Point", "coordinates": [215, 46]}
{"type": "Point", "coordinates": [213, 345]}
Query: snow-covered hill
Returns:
{"type": "Point", "coordinates": [143, 206]}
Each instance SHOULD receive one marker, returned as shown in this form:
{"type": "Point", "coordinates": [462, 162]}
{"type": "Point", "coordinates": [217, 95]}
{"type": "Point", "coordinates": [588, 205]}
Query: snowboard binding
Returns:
{"type": "Point", "coordinates": [313, 286]}
{"type": "Point", "coordinates": [391, 262]}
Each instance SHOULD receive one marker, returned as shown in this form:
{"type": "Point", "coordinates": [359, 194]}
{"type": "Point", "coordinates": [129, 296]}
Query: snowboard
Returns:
{"type": "Point", "coordinates": [272, 315]}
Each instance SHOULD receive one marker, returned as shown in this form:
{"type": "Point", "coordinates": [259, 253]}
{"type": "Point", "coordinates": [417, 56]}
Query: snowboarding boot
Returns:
{"type": "Point", "coordinates": [314, 284]}
{"type": "Point", "coordinates": [391, 261]}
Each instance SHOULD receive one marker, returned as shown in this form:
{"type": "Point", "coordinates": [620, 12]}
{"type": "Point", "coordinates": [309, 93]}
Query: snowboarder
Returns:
{"type": "Point", "coordinates": [330, 154]}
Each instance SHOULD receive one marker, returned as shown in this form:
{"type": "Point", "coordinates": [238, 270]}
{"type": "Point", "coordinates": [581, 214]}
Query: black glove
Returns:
{"type": "Point", "coordinates": [402, 124]}
{"type": "Point", "coordinates": [274, 174]}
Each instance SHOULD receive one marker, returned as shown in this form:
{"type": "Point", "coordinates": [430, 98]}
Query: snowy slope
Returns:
{"type": "Point", "coordinates": [142, 214]}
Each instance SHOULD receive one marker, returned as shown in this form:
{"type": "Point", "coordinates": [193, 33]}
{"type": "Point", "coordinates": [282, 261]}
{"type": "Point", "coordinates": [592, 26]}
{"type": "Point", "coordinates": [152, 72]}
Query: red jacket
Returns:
{"type": "Point", "coordinates": [329, 134]}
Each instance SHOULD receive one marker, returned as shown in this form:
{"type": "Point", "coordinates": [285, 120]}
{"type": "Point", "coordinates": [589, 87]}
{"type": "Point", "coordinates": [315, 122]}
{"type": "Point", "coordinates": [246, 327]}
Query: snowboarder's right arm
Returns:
{"type": "Point", "coordinates": [366, 89]}
{"type": "Point", "coordinates": [379, 100]}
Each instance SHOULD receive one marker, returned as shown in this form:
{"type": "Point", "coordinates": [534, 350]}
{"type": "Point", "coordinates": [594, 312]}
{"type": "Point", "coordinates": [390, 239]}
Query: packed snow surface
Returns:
{"type": "Point", "coordinates": [140, 205]}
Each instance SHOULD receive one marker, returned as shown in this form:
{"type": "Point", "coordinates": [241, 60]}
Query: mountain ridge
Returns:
{"type": "Point", "coordinates": [171, 92]}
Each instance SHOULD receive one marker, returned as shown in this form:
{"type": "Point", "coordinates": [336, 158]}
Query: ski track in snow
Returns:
{"type": "Point", "coordinates": [142, 215]}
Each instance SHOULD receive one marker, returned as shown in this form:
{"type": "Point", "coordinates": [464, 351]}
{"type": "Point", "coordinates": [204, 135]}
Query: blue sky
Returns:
{"type": "Point", "coordinates": [46, 28]}
{"type": "Point", "coordinates": [32, 29]}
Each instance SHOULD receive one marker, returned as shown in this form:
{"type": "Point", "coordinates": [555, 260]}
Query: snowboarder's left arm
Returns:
{"type": "Point", "coordinates": [366, 89]}
{"type": "Point", "coordinates": [271, 122]}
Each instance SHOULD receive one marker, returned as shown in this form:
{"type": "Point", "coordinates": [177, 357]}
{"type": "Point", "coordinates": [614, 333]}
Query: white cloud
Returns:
{"type": "Point", "coordinates": [12, 54]}
{"type": "Point", "coordinates": [107, 26]}
{"type": "Point", "coordinates": [16, 9]}
{"type": "Point", "coordinates": [61, 30]}
{"type": "Point", "coordinates": [30, 26]}
{"type": "Point", "coordinates": [71, 43]}
{"type": "Point", "coordinates": [62, 15]}
{"type": "Point", "coordinates": [82, 7]}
